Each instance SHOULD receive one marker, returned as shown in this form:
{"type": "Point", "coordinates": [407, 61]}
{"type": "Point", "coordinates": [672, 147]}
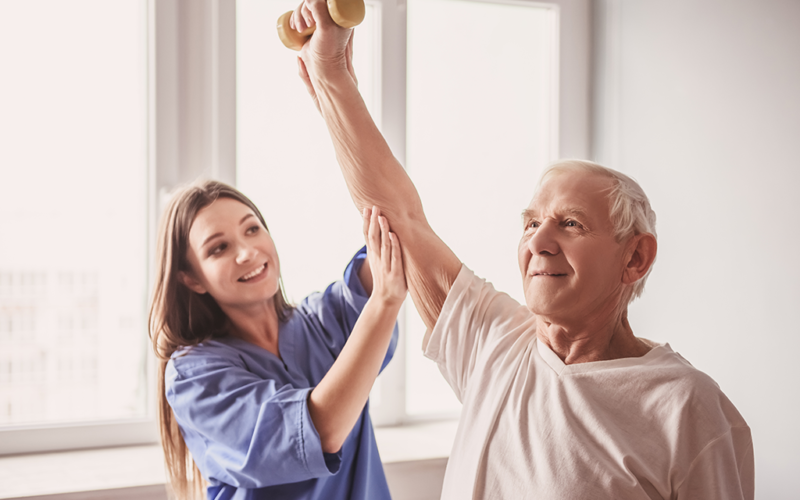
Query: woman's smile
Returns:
{"type": "Point", "coordinates": [255, 275]}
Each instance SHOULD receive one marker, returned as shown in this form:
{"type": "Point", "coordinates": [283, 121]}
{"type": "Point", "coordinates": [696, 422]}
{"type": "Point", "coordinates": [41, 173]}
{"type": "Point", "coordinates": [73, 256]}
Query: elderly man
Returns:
{"type": "Point", "coordinates": [560, 399]}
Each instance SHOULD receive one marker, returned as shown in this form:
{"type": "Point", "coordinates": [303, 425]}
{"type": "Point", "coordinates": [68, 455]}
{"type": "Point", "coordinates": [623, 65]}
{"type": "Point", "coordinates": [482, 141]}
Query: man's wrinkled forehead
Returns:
{"type": "Point", "coordinates": [572, 192]}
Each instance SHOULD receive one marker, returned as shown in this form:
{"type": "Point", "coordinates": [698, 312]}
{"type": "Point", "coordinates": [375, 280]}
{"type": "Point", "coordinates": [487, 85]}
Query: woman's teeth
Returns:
{"type": "Point", "coordinates": [253, 274]}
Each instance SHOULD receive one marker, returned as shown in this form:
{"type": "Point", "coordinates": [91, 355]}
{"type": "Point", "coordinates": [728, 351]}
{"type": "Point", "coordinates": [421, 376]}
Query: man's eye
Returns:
{"type": "Point", "coordinates": [571, 223]}
{"type": "Point", "coordinates": [533, 224]}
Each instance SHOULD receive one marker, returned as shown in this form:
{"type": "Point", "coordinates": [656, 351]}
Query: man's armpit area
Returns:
{"type": "Point", "coordinates": [429, 291]}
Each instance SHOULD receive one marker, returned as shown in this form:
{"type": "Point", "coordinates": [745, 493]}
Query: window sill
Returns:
{"type": "Point", "coordinates": [134, 472]}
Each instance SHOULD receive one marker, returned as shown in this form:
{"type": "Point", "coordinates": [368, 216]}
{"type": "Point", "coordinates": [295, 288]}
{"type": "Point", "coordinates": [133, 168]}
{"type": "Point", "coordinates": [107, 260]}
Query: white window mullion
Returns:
{"type": "Point", "coordinates": [390, 92]}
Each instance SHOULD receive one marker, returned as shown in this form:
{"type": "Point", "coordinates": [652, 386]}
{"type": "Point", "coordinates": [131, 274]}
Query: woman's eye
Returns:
{"type": "Point", "coordinates": [218, 249]}
{"type": "Point", "coordinates": [253, 230]}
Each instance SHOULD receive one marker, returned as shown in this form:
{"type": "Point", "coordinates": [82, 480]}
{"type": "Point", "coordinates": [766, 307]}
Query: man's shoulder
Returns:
{"type": "Point", "coordinates": [691, 391]}
{"type": "Point", "coordinates": [668, 367]}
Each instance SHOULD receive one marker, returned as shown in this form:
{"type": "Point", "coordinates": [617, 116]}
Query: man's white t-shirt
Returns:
{"type": "Point", "coordinates": [533, 427]}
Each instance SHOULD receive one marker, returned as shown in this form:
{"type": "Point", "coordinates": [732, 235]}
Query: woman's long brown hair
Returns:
{"type": "Point", "coordinates": [182, 318]}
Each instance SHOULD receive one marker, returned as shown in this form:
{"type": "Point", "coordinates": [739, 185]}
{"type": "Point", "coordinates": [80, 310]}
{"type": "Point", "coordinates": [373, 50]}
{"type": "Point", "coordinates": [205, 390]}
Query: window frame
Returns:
{"type": "Point", "coordinates": [571, 137]}
{"type": "Point", "coordinates": [191, 75]}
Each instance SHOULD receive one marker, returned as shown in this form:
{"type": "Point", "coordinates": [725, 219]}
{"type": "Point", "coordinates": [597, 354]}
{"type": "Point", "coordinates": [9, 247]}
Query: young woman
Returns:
{"type": "Point", "coordinates": [263, 399]}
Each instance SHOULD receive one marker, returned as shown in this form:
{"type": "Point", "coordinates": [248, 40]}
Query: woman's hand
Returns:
{"type": "Point", "coordinates": [337, 401]}
{"type": "Point", "coordinates": [385, 259]}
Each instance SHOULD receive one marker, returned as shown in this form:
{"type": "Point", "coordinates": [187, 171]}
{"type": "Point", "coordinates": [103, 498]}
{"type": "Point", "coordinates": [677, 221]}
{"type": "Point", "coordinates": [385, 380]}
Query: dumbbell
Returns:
{"type": "Point", "coordinates": [345, 13]}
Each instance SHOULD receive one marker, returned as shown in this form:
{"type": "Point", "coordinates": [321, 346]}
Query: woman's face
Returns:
{"type": "Point", "coordinates": [232, 256]}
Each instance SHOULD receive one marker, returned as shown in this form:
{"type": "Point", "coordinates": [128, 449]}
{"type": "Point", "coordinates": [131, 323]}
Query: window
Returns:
{"type": "Point", "coordinates": [109, 105]}
{"type": "Point", "coordinates": [73, 215]}
{"type": "Point", "coordinates": [480, 113]}
{"type": "Point", "coordinates": [464, 113]}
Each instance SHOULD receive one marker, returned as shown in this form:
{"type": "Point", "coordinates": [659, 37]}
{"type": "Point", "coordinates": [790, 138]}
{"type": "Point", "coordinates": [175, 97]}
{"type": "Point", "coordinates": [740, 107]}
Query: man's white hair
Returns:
{"type": "Point", "coordinates": [629, 207]}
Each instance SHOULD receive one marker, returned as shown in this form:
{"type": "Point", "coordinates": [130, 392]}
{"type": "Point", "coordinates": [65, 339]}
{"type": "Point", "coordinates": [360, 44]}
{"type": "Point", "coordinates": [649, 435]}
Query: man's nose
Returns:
{"type": "Point", "coordinates": [544, 241]}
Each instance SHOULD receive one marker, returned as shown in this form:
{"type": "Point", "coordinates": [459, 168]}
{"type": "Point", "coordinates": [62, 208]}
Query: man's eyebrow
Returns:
{"type": "Point", "coordinates": [577, 212]}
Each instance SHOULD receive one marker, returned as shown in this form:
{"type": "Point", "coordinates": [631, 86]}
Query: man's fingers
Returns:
{"type": "Point", "coordinates": [348, 53]}
{"type": "Point", "coordinates": [303, 71]}
{"type": "Point", "coordinates": [307, 15]}
{"type": "Point", "coordinates": [296, 20]}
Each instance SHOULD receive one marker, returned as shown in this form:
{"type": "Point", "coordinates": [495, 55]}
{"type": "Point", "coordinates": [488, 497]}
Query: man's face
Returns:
{"type": "Point", "coordinates": [570, 261]}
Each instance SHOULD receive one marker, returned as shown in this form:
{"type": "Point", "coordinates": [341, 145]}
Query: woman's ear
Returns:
{"type": "Point", "coordinates": [641, 256]}
{"type": "Point", "coordinates": [191, 283]}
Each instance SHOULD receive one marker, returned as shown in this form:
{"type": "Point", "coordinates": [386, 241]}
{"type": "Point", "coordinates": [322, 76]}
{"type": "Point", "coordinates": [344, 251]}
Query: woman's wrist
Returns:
{"type": "Point", "coordinates": [386, 304]}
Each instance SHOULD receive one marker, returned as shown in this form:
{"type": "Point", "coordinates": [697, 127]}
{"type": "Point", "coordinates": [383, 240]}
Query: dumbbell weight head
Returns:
{"type": "Point", "coordinates": [345, 13]}
{"type": "Point", "coordinates": [291, 38]}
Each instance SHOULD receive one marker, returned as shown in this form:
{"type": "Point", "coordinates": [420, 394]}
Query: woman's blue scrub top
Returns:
{"type": "Point", "coordinates": [243, 412]}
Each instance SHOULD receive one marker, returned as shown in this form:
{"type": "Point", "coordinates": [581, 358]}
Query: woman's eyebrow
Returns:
{"type": "Point", "coordinates": [215, 235]}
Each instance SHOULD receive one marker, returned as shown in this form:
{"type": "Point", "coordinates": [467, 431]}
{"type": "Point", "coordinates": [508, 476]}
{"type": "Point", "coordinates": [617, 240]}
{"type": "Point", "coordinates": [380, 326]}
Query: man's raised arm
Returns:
{"type": "Point", "coordinates": [373, 175]}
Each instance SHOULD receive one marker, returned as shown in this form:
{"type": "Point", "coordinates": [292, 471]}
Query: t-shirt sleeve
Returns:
{"type": "Point", "coordinates": [724, 469]}
{"type": "Point", "coordinates": [474, 316]}
{"type": "Point", "coordinates": [243, 430]}
{"type": "Point", "coordinates": [334, 312]}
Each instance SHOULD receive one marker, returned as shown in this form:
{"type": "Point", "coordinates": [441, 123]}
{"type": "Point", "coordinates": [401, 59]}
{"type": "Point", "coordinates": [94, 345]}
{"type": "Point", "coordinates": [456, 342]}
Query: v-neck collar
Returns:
{"type": "Point", "coordinates": [560, 368]}
{"type": "Point", "coordinates": [286, 347]}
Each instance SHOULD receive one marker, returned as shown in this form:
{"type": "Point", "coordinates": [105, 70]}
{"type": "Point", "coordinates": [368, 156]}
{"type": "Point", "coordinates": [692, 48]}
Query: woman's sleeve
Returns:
{"type": "Point", "coordinates": [335, 311]}
{"type": "Point", "coordinates": [243, 430]}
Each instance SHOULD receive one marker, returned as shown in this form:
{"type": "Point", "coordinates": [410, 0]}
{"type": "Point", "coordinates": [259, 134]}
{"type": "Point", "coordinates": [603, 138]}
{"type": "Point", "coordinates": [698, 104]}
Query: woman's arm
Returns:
{"type": "Point", "coordinates": [337, 401]}
{"type": "Point", "coordinates": [373, 175]}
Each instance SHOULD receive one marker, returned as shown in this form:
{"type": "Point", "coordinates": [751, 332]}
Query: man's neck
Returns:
{"type": "Point", "coordinates": [591, 341]}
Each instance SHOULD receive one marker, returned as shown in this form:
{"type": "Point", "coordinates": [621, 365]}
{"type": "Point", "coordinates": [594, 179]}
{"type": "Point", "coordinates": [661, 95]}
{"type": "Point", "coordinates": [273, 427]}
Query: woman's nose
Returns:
{"type": "Point", "coordinates": [246, 253]}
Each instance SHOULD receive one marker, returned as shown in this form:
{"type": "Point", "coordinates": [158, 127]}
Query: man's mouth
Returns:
{"type": "Point", "coordinates": [548, 274]}
{"type": "Point", "coordinates": [253, 274]}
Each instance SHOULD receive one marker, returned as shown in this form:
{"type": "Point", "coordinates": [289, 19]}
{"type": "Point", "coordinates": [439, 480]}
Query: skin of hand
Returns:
{"type": "Point", "coordinates": [385, 259]}
{"type": "Point", "coordinates": [329, 50]}
{"type": "Point", "coordinates": [337, 401]}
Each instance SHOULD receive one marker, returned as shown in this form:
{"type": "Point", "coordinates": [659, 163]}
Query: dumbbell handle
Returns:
{"type": "Point", "coordinates": [345, 13]}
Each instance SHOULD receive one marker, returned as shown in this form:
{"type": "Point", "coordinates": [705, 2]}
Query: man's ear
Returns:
{"type": "Point", "coordinates": [641, 254]}
{"type": "Point", "coordinates": [192, 284]}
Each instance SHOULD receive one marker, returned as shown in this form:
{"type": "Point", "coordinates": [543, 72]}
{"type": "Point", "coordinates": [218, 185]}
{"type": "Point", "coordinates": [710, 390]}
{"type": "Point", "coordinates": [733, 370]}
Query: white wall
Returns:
{"type": "Point", "coordinates": [700, 101]}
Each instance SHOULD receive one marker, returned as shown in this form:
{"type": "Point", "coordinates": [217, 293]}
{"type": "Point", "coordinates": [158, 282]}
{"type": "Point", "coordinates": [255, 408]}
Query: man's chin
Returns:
{"type": "Point", "coordinates": [541, 303]}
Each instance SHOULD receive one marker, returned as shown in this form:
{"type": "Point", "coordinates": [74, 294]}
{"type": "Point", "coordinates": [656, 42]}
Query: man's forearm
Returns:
{"type": "Point", "coordinates": [374, 177]}
{"type": "Point", "coordinates": [372, 173]}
